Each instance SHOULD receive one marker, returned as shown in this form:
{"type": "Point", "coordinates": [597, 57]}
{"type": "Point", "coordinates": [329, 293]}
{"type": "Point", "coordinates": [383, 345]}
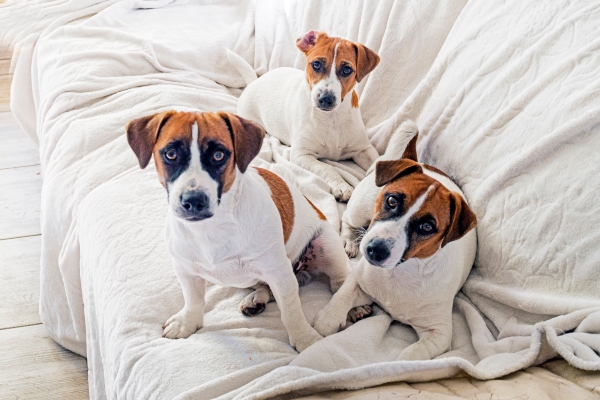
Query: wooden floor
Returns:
{"type": "Point", "coordinates": [32, 365]}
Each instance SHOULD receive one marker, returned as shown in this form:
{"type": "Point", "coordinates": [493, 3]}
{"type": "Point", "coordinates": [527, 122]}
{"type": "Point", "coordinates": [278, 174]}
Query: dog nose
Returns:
{"type": "Point", "coordinates": [326, 100]}
{"type": "Point", "coordinates": [194, 202]}
{"type": "Point", "coordinates": [377, 251]}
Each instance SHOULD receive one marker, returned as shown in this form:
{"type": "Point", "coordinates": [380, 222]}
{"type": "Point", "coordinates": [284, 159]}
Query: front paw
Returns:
{"type": "Point", "coordinates": [342, 191]}
{"type": "Point", "coordinates": [305, 340]}
{"type": "Point", "coordinates": [351, 247]}
{"type": "Point", "coordinates": [326, 324]}
{"type": "Point", "coordinates": [182, 325]}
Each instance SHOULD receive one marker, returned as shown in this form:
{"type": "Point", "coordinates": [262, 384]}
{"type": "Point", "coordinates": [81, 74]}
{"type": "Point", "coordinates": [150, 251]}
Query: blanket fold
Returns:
{"type": "Point", "coordinates": [506, 99]}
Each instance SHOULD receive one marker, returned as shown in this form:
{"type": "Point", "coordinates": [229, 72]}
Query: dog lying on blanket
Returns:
{"type": "Point", "coordinates": [233, 225]}
{"type": "Point", "coordinates": [418, 251]}
{"type": "Point", "coordinates": [315, 112]}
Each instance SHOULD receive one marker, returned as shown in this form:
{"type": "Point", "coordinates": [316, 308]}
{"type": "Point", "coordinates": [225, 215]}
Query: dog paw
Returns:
{"type": "Point", "coordinates": [342, 192]}
{"type": "Point", "coordinates": [181, 325]}
{"type": "Point", "coordinates": [351, 247]}
{"type": "Point", "coordinates": [327, 325]}
{"type": "Point", "coordinates": [305, 340]}
{"type": "Point", "coordinates": [252, 310]}
{"type": "Point", "coordinates": [252, 305]}
{"type": "Point", "coordinates": [360, 312]}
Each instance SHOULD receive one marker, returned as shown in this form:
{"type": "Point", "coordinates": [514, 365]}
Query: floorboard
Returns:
{"type": "Point", "coordinates": [20, 202]}
{"type": "Point", "coordinates": [17, 150]}
{"type": "Point", "coordinates": [19, 281]}
{"type": "Point", "coordinates": [33, 366]}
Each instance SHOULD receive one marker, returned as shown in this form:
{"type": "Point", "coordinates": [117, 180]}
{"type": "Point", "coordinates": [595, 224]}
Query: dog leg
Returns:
{"type": "Point", "coordinates": [432, 342]}
{"type": "Point", "coordinates": [350, 236]}
{"type": "Point", "coordinates": [366, 158]}
{"type": "Point", "coordinates": [339, 187]}
{"type": "Point", "coordinates": [331, 260]}
{"type": "Point", "coordinates": [255, 302]}
{"type": "Point", "coordinates": [191, 317]}
{"type": "Point", "coordinates": [333, 317]}
{"type": "Point", "coordinates": [284, 286]}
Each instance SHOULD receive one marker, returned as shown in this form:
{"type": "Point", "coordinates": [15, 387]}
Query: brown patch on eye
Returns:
{"type": "Point", "coordinates": [211, 128]}
{"type": "Point", "coordinates": [177, 127]}
{"type": "Point", "coordinates": [282, 197]}
{"type": "Point", "coordinates": [319, 213]}
{"type": "Point", "coordinates": [354, 99]}
{"type": "Point", "coordinates": [346, 56]}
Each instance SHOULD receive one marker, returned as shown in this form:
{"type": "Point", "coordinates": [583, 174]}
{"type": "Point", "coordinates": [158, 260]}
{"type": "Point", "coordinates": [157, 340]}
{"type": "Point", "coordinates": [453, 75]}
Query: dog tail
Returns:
{"type": "Point", "coordinates": [242, 66]}
{"type": "Point", "coordinates": [398, 142]}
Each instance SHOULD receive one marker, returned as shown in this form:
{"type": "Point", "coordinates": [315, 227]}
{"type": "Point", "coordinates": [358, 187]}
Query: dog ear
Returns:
{"type": "Point", "coordinates": [366, 61]}
{"type": "Point", "coordinates": [142, 134]}
{"type": "Point", "coordinates": [410, 152]}
{"type": "Point", "coordinates": [387, 171]}
{"type": "Point", "coordinates": [462, 219]}
{"type": "Point", "coordinates": [308, 41]}
{"type": "Point", "coordinates": [247, 138]}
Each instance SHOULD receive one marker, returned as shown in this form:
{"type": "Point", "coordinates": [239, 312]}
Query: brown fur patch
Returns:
{"type": "Point", "coordinates": [361, 59]}
{"type": "Point", "coordinates": [319, 213]}
{"type": "Point", "coordinates": [282, 197]}
{"type": "Point", "coordinates": [354, 99]}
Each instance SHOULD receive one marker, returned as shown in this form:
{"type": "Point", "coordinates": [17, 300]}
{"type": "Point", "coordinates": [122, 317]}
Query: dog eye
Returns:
{"type": "Point", "coordinates": [317, 65]}
{"type": "Point", "coordinates": [347, 71]}
{"type": "Point", "coordinates": [426, 227]}
{"type": "Point", "coordinates": [218, 155]}
{"type": "Point", "coordinates": [392, 201]}
{"type": "Point", "coordinates": [171, 155]}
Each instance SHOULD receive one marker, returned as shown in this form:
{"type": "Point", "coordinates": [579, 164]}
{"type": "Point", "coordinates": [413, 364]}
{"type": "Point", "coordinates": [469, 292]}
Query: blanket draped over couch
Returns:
{"type": "Point", "coordinates": [507, 98]}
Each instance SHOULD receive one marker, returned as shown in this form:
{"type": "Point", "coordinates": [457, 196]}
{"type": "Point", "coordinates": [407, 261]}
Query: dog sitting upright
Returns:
{"type": "Point", "coordinates": [233, 225]}
{"type": "Point", "coordinates": [315, 112]}
{"type": "Point", "coordinates": [418, 251]}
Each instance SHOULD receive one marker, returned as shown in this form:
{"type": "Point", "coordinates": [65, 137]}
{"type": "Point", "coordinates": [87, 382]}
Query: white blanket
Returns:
{"type": "Point", "coordinates": [509, 107]}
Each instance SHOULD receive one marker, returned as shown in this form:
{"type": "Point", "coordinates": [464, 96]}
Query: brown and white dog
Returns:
{"type": "Point", "coordinates": [316, 111]}
{"type": "Point", "coordinates": [233, 225]}
{"type": "Point", "coordinates": [418, 251]}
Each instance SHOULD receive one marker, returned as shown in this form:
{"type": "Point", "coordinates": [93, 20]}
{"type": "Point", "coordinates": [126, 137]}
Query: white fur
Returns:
{"type": "Point", "coordinates": [282, 102]}
{"type": "Point", "coordinates": [419, 292]}
{"type": "Point", "coordinates": [242, 245]}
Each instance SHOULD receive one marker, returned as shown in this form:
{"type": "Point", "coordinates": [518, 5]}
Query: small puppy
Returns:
{"type": "Point", "coordinates": [233, 225]}
{"type": "Point", "coordinates": [315, 112]}
{"type": "Point", "coordinates": [418, 251]}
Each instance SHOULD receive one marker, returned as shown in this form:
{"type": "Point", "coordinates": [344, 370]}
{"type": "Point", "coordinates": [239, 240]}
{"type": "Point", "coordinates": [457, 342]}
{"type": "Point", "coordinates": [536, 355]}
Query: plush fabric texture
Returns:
{"type": "Point", "coordinates": [506, 95]}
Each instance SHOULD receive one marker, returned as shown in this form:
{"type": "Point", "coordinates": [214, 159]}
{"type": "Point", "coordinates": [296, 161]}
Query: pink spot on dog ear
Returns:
{"type": "Point", "coordinates": [307, 42]}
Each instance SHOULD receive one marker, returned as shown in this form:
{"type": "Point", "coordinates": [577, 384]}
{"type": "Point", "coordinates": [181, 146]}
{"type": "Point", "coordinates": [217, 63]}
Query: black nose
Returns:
{"type": "Point", "coordinates": [326, 100]}
{"type": "Point", "coordinates": [377, 251]}
{"type": "Point", "coordinates": [194, 202]}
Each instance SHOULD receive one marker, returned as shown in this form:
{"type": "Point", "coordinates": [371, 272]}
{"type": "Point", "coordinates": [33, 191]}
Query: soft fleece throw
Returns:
{"type": "Point", "coordinates": [507, 98]}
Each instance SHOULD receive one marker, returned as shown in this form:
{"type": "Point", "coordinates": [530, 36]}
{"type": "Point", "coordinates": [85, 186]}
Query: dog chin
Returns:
{"type": "Point", "coordinates": [192, 218]}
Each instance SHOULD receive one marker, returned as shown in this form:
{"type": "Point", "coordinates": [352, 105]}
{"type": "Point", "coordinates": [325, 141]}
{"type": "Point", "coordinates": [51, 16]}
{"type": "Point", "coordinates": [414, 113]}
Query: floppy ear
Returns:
{"type": "Point", "coordinates": [142, 134]}
{"type": "Point", "coordinates": [247, 138]}
{"type": "Point", "coordinates": [387, 171]}
{"type": "Point", "coordinates": [308, 41]}
{"type": "Point", "coordinates": [366, 61]}
{"type": "Point", "coordinates": [462, 219]}
{"type": "Point", "coordinates": [410, 152]}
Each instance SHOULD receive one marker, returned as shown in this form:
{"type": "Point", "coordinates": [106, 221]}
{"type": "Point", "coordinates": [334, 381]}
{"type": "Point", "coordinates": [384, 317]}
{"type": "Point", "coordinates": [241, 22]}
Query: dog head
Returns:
{"type": "Point", "coordinates": [415, 215]}
{"type": "Point", "coordinates": [197, 156]}
{"type": "Point", "coordinates": [333, 67]}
